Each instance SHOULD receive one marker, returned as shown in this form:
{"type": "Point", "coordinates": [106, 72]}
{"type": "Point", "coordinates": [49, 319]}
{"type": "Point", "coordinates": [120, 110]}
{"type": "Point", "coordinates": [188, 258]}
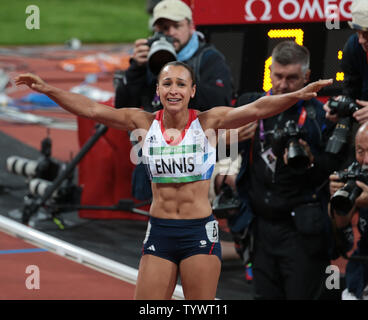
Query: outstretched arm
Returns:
{"type": "Point", "coordinates": [83, 106]}
{"type": "Point", "coordinates": [265, 107]}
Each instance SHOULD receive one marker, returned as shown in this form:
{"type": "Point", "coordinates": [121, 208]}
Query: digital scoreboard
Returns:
{"type": "Point", "coordinates": [246, 31]}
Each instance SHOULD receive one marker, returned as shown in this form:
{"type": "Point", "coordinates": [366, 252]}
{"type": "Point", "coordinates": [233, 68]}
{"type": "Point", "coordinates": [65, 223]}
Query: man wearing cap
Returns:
{"type": "Point", "coordinates": [355, 67]}
{"type": "Point", "coordinates": [355, 59]}
{"type": "Point", "coordinates": [138, 85]}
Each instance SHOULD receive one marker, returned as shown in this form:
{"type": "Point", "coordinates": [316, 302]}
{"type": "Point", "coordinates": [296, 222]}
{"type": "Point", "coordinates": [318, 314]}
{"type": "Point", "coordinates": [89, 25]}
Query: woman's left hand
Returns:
{"type": "Point", "coordinates": [310, 91]}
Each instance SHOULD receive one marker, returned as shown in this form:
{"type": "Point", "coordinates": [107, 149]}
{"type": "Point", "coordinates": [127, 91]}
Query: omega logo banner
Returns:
{"type": "Point", "coordinates": [207, 12]}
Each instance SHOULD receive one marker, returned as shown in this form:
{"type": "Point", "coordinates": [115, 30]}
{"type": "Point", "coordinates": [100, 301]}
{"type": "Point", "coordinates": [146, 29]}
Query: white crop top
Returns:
{"type": "Point", "coordinates": [190, 158]}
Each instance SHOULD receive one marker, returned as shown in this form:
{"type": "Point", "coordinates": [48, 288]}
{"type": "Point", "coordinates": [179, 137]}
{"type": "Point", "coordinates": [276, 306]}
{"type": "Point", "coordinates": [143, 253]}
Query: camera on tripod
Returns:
{"type": "Point", "coordinates": [288, 137]}
{"type": "Point", "coordinates": [344, 109]}
{"type": "Point", "coordinates": [161, 51]}
{"type": "Point", "coordinates": [44, 168]}
{"type": "Point", "coordinates": [66, 193]}
{"type": "Point", "coordinates": [41, 175]}
{"type": "Point", "coordinates": [343, 199]}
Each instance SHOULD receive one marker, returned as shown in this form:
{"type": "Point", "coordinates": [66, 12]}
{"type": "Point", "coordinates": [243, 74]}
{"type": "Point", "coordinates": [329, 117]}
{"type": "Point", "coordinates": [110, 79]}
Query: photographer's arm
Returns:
{"type": "Point", "coordinates": [82, 106]}
{"type": "Point", "coordinates": [140, 53]}
{"type": "Point", "coordinates": [341, 224]}
{"type": "Point", "coordinates": [331, 117]}
{"type": "Point", "coordinates": [340, 221]}
{"type": "Point", "coordinates": [362, 114]}
{"type": "Point", "coordinates": [344, 235]}
{"type": "Point", "coordinates": [130, 86]}
{"type": "Point", "coordinates": [324, 162]}
{"type": "Point", "coordinates": [352, 84]}
{"type": "Point", "coordinates": [266, 106]}
{"type": "Point", "coordinates": [362, 200]}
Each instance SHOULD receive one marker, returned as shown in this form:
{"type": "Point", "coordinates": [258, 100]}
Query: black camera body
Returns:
{"type": "Point", "coordinates": [44, 168]}
{"type": "Point", "coordinates": [161, 51]}
{"type": "Point", "coordinates": [344, 109]}
{"type": "Point", "coordinates": [288, 137]}
{"type": "Point", "coordinates": [343, 199]}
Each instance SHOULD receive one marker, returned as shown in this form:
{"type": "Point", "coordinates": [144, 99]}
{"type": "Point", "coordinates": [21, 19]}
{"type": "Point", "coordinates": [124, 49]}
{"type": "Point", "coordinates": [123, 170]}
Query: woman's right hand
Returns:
{"type": "Point", "coordinates": [32, 81]}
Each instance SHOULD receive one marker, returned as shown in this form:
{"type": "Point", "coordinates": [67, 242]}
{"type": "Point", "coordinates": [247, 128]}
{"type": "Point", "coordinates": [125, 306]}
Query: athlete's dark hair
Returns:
{"type": "Point", "coordinates": [179, 64]}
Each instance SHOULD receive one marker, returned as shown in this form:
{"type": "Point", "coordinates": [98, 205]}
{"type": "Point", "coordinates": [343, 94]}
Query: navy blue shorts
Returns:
{"type": "Point", "coordinates": [177, 239]}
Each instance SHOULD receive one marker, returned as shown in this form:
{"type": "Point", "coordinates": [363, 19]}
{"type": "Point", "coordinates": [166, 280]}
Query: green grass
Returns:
{"type": "Point", "coordinates": [91, 21]}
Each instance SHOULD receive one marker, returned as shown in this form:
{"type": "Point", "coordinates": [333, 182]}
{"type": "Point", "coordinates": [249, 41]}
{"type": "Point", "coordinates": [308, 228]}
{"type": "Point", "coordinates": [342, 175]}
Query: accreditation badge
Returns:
{"type": "Point", "coordinates": [270, 159]}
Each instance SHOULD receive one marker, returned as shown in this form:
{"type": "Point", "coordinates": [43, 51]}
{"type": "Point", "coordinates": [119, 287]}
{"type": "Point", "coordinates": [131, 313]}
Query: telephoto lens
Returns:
{"type": "Point", "coordinates": [38, 187]}
{"type": "Point", "coordinates": [161, 52]}
{"type": "Point", "coordinates": [22, 166]}
{"type": "Point", "coordinates": [44, 168]}
{"type": "Point", "coordinates": [343, 199]}
{"type": "Point", "coordinates": [340, 136]}
{"type": "Point", "coordinates": [297, 156]}
{"type": "Point", "coordinates": [344, 108]}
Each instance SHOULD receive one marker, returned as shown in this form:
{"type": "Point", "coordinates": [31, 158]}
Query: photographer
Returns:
{"type": "Point", "coordinates": [173, 18]}
{"type": "Point", "coordinates": [137, 86]}
{"type": "Point", "coordinates": [357, 270]}
{"type": "Point", "coordinates": [282, 184]}
{"type": "Point", "coordinates": [355, 57]}
{"type": "Point", "coordinates": [355, 67]}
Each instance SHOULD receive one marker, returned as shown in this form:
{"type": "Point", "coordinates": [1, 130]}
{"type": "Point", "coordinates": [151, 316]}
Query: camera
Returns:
{"type": "Point", "coordinates": [343, 199]}
{"type": "Point", "coordinates": [226, 202]}
{"type": "Point", "coordinates": [344, 109]}
{"type": "Point", "coordinates": [161, 51]}
{"type": "Point", "coordinates": [38, 187]}
{"type": "Point", "coordinates": [288, 137]}
{"type": "Point", "coordinates": [45, 167]}
{"type": "Point", "coordinates": [67, 193]}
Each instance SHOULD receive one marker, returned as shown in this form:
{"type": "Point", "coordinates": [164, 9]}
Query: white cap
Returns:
{"type": "Point", "coordinates": [174, 10]}
{"type": "Point", "coordinates": [359, 12]}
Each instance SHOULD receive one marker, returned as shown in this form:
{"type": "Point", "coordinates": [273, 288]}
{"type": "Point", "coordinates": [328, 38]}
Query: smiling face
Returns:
{"type": "Point", "coordinates": [175, 88]}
